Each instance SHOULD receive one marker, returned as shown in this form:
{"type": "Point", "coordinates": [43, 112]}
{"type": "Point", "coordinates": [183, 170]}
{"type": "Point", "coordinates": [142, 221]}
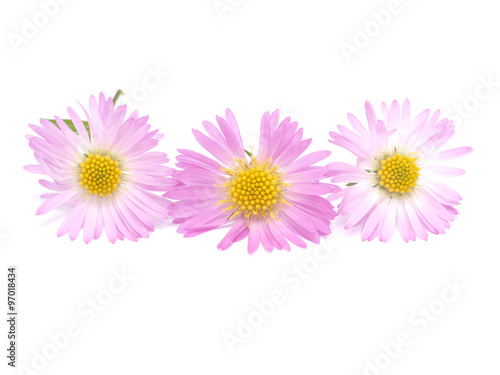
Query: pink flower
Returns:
{"type": "Point", "coordinates": [395, 181]}
{"type": "Point", "coordinates": [106, 174]}
{"type": "Point", "coordinates": [273, 197]}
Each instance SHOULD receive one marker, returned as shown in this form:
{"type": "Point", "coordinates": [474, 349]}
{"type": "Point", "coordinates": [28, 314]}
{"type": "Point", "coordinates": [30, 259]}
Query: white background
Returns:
{"type": "Point", "coordinates": [186, 294]}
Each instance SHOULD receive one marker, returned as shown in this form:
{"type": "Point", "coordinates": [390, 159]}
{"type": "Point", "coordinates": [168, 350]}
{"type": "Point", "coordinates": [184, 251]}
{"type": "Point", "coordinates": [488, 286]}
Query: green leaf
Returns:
{"type": "Point", "coordinates": [248, 153]}
{"type": "Point", "coordinates": [351, 183]}
{"type": "Point", "coordinates": [72, 126]}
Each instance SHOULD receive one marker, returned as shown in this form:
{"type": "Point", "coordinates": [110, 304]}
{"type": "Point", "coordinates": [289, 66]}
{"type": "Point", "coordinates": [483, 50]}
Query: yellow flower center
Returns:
{"type": "Point", "coordinates": [254, 189]}
{"type": "Point", "coordinates": [100, 174]}
{"type": "Point", "coordinates": [398, 173]}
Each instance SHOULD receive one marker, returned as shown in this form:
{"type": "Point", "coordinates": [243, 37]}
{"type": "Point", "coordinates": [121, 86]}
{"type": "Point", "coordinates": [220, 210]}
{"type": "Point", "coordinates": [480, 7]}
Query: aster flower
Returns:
{"type": "Point", "coordinates": [105, 173]}
{"type": "Point", "coordinates": [396, 179]}
{"type": "Point", "coordinates": [272, 197]}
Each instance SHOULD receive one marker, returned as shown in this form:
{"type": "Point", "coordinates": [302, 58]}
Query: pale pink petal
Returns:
{"type": "Point", "coordinates": [393, 117]}
{"type": "Point", "coordinates": [109, 224]}
{"type": "Point", "coordinates": [446, 171]}
{"type": "Point", "coordinates": [388, 223]}
{"type": "Point", "coordinates": [452, 153]}
{"type": "Point", "coordinates": [80, 128]}
{"type": "Point", "coordinates": [74, 215]}
{"type": "Point", "coordinates": [89, 227]}
{"type": "Point", "coordinates": [343, 172]}
{"type": "Point", "coordinates": [404, 225]}
{"type": "Point", "coordinates": [52, 203]}
{"type": "Point", "coordinates": [365, 204]}
{"type": "Point", "coordinates": [371, 224]}
{"type": "Point", "coordinates": [371, 117]}
{"type": "Point", "coordinates": [358, 127]}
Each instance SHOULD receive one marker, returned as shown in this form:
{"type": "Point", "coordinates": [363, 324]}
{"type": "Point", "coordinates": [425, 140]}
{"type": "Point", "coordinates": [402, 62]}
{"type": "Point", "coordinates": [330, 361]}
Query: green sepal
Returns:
{"type": "Point", "coordinates": [351, 183]}
{"type": "Point", "coordinates": [72, 126]}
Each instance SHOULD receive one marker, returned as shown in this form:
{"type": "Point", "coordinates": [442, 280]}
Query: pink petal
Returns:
{"type": "Point", "coordinates": [446, 171]}
{"type": "Point", "coordinates": [314, 188]}
{"type": "Point", "coordinates": [231, 120]}
{"type": "Point", "coordinates": [394, 116]}
{"type": "Point", "coordinates": [361, 209]}
{"type": "Point", "coordinates": [89, 227]}
{"type": "Point", "coordinates": [343, 172]}
{"type": "Point", "coordinates": [405, 114]}
{"type": "Point", "coordinates": [109, 224]}
{"type": "Point", "coordinates": [358, 127]}
{"type": "Point", "coordinates": [80, 128]}
{"type": "Point", "coordinates": [278, 236]}
{"type": "Point", "coordinates": [239, 225]}
{"type": "Point", "coordinates": [404, 225]}
{"type": "Point", "coordinates": [388, 223]}
{"type": "Point", "coordinates": [34, 169]}
{"type": "Point", "coordinates": [373, 221]}
{"type": "Point", "coordinates": [253, 236]}
{"type": "Point", "coordinates": [415, 221]}
{"type": "Point", "coordinates": [77, 222]}
{"type": "Point", "coordinates": [371, 117]}
{"type": "Point", "coordinates": [306, 161]}
{"type": "Point", "coordinates": [232, 140]}
{"type": "Point", "coordinates": [452, 153]}
{"type": "Point", "coordinates": [217, 151]}
{"type": "Point", "coordinates": [52, 203]}
{"type": "Point", "coordinates": [74, 215]}
{"type": "Point", "coordinates": [443, 193]}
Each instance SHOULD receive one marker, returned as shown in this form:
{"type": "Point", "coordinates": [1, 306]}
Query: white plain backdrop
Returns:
{"type": "Point", "coordinates": [182, 62]}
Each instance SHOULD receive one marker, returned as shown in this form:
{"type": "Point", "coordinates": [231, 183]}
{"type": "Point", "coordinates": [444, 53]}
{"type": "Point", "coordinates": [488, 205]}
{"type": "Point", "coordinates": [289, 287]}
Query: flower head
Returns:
{"type": "Point", "coordinates": [396, 179]}
{"type": "Point", "coordinates": [272, 197]}
{"type": "Point", "coordinates": [105, 173]}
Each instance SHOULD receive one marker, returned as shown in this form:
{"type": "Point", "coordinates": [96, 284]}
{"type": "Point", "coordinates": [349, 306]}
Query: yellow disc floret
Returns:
{"type": "Point", "coordinates": [398, 173]}
{"type": "Point", "coordinates": [254, 189]}
{"type": "Point", "coordinates": [100, 174]}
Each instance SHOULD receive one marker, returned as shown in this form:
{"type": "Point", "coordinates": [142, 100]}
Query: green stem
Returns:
{"type": "Point", "coordinates": [117, 95]}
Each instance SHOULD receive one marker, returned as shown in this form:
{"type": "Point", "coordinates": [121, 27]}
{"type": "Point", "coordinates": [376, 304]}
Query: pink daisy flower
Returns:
{"type": "Point", "coordinates": [396, 179]}
{"type": "Point", "coordinates": [272, 197]}
{"type": "Point", "coordinates": [106, 174]}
